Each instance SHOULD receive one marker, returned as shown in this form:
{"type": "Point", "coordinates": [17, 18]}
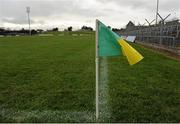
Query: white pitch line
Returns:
{"type": "Point", "coordinates": [103, 91]}
{"type": "Point", "coordinates": [46, 116]}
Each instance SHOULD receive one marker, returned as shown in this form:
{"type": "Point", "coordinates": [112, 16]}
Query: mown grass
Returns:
{"type": "Point", "coordinates": [46, 73]}
{"type": "Point", "coordinates": [51, 79]}
{"type": "Point", "coordinates": [146, 92]}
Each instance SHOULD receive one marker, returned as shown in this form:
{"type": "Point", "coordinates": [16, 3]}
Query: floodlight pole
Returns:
{"type": "Point", "coordinates": [157, 11]}
{"type": "Point", "coordinates": [29, 22]}
{"type": "Point", "coordinates": [97, 72]}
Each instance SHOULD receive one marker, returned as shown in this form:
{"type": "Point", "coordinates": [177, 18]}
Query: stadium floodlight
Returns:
{"type": "Point", "coordinates": [29, 22]}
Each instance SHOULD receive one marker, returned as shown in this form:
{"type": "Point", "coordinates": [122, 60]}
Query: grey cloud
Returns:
{"type": "Point", "coordinates": [16, 20]}
{"type": "Point", "coordinates": [112, 11]}
{"type": "Point", "coordinates": [148, 5]}
{"type": "Point", "coordinates": [15, 11]}
{"type": "Point", "coordinates": [46, 8]}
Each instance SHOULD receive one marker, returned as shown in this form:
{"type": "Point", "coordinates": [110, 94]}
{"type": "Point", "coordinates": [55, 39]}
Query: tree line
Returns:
{"type": "Point", "coordinates": [37, 31]}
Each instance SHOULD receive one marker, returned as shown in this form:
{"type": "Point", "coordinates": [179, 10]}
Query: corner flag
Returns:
{"type": "Point", "coordinates": [108, 43]}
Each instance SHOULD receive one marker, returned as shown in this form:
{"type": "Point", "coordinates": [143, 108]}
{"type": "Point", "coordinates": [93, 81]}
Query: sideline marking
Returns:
{"type": "Point", "coordinates": [46, 116]}
{"type": "Point", "coordinates": [104, 109]}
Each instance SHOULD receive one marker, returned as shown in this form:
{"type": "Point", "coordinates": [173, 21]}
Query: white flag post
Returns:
{"type": "Point", "coordinates": [97, 72]}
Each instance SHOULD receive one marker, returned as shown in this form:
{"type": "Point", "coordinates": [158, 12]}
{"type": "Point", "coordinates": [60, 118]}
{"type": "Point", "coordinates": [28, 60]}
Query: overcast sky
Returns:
{"type": "Point", "coordinates": [62, 13]}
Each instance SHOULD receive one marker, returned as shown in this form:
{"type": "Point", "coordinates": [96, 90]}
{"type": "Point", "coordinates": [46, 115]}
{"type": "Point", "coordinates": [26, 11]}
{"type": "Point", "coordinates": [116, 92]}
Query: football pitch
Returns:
{"type": "Point", "coordinates": [52, 79]}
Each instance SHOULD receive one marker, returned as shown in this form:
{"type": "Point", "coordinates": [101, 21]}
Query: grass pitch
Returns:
{"type": "Point", "coordinates": [51, 79]}
{"type": "Point", "coordinates": [46, 74]}
{"type": "Point", "coordinates": [146, 92]}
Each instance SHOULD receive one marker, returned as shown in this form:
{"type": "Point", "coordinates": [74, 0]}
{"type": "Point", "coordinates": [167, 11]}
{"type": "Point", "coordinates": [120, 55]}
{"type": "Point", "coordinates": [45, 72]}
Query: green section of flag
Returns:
{"type": "Point", "coordinates": [107, 40]}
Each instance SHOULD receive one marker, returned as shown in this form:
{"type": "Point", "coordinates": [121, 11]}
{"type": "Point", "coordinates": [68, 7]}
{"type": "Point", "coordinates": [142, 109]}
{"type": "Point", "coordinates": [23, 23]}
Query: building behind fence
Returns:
{"type": "Point", "coordinates": [163, 34]}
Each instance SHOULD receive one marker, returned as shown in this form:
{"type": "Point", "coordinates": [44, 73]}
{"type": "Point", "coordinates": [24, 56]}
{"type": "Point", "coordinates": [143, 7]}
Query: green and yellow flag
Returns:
{"type": "Point", "coordinates": [110, 44]}
{"type": "Point", "coordinates": [107, 42]}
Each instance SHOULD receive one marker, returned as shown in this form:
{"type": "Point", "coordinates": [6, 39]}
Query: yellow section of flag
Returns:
{"type": "Point", "coordinates": [132, 55]}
